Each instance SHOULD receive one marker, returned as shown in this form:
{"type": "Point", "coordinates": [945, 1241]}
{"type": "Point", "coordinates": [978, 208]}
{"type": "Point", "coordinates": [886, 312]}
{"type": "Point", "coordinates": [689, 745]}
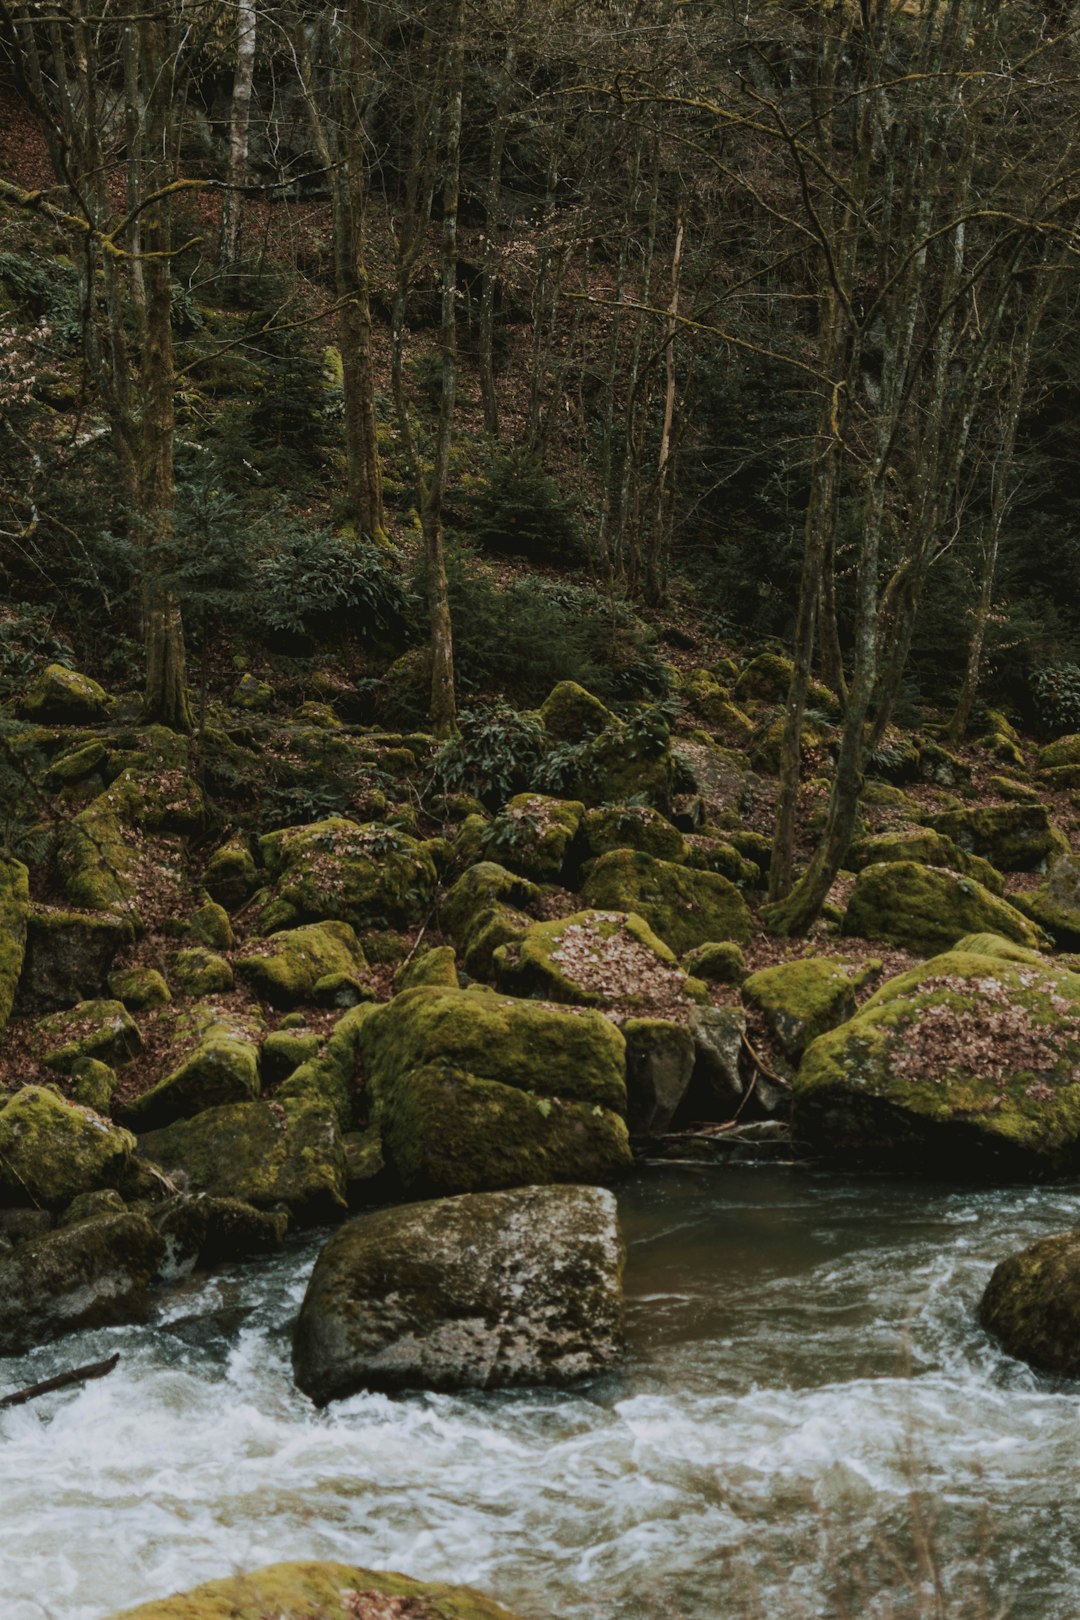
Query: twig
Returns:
{"type": "Point", "coordinates": [76, 1375]}
{"type": "Point", "coordinates": [762, 1067]}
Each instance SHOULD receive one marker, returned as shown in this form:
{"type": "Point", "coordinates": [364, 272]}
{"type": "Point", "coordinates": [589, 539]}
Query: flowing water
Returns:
{"type": "Point", "coordinates": [809, 1422]}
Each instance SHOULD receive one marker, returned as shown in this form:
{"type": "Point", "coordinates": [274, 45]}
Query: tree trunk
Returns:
{"type": "Point", "coordinates": [243, 78]}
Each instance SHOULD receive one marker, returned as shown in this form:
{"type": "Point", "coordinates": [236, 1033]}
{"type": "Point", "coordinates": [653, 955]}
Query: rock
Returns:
{"type": "Point", "coordinates": [531, 836]}
{"type": "Point", "coordinates": [328, 1591]}
{"type": "Point", "coordinates": [623, 762]}
{"type": "Point", "coordinates": [97, 862]}
{"type": "Point", "coordinates": [802, 999]}
{"type": "Point", "coordinates": [928, 847]}
{"type": "Point", "coordinates": [1062, 751]}
{"type": "Point", "coordinates": [92, 1274]}
{"type": "Point", "coordinates": [139, 988]}
{"type": "Point", "coordinates": [1055, 905]}
{"type": "Point", "coordinates": [632, 826]}
{"type": "Point", "coordinates": [1015, 837]}
{"type": "Point", "coordinates": [284, 1050]}
{"type": "Point", "coordinates": [969, 1061]}
{"type": "Point", "coordinates": [61, 696]}
{"type": "Point", "coordinates": [475, 1090]}
{"type": "Point", "coordinates": [285, 968]}
{"type": "Point", "coordinates": [222, 1068]}
{"type": "Point", "coordinates": [486, 1291]}
{"type": "Point", "coordinates": [75, 764]}
{"type": "Point", "coordinates": [366, 1172]}
{"type": "Point", "coordinates": [93, 1085]}
{"type": "Point", "coordinates": [767, 679]}
{"type": "Point", "coordinates": [196, 971]}
{"type": "Point", "coordinates": [718, 962]}
{"type": "Point", "coordinates": [685, 908]}
{"type": "Point", "coordinates": [14, 911]}
{"type": "Point", "coordinates": [231, 875]}
{"type": "Point", "coordinates": [437, 966]}
{"type": "Point", "coordinates": [944, 769]}
{"type": "Point", "coordinates": [592, 959]}
{"type": "Point", "coordinates": [51, 1150]}
{"type": "Point", "coordinates": [210, 925]}
{"type": "Point", "coordinates": [159, 799]}
{"type": "Point", "coordinates": [1032, 1304]}
{"type": "Point", "coordinates": [92, 1029]}
{"type": "Point", "coordinates": [570, 714]}
{"type": "Point", "coordinates": [705, 853]}
{"type": "Point", "coordinates": [367, 875]}
{"type": "Point", "coordinates": [89, 1205]}
{"type": "Point", "coordinates": [329, 1076]}
{"type": "Point", "coordinates": [659, 1064]}
{"type": "Point", "coordinates": [491, 929]}
{"type": "Point", "coordinates": [252, 694]}
{"type": "Point", "coordinates": [68, 956]}
{"type": "Point", "coordinates": [262, 1153]}
{"type": "Point", "coordinates": [926, 909]}
{"type": "Point", "coordinates": [717, 1084]}
{"type": "Point", "coordinates": [202, 1232]}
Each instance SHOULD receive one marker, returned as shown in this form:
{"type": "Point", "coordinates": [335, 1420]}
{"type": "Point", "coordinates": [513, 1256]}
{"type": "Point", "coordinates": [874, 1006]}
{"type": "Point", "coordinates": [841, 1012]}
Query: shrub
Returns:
{"type": "Point", "coordinates": [320, 586]}
{"type": "Point", "coordinates": [518, 511]}
{"type": "Point", "coordinates": [1055, 691]}
{"type": "Point", "coordinates": [495, 754]}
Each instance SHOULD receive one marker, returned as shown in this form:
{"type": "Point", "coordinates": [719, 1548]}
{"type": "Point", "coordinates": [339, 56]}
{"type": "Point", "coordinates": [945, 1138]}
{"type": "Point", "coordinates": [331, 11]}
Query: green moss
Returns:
{"type": "Point", "coordinates": [63, 696]}
{"type": "Point", "coordinates": [437, 966]}
{"type": "Point", "coordinates": [930, 848]}
{"type": "Point", "coordinates": [1015, 837]}
{"type": "Point", "coordinates": [925, 908]}
{"type": "Point", "coordinates": [196, 971]}
{"type": "Point", "coordinates": [93, 1084]}
{"type": "Point", "coordinates": [802, 999]}
{"type": "Point", "coordinates": [289, 1153]}
{"type": "Point", "coordinates": [210, 925]}
{"type": "Point", "coordinates": [716, 963]}
{"type": "Point", "coordinates": [1055, 905]}
{"type": "Point", "coordinates": [315, 1592]}
{"type": "Point", "coordinates": [591, 959]}
{"type": "Point", "coordinates": [139, 988]}
{"type": "Point", "coordinates": [223, 1067]}
{"type": "Point", "coordinates": [76, 763]}
{"type": "Point", "coordinates": [50, 1149]}
{"type": "Point", "coordinates": [685, 908]}
{"type": "Point", "coordinates": [1032, 1304]}
{"type": "Point", "coordinates": [569, 713]}
{"type": "Point", "coordinates": [285, 968]}
{"type": "Point", "coordinates": [767, 679]}
{"type": "Point", "coordinates": [497, 925]}
{"type": "Point", "coordinates": [477, 890]}
{"type": "Point", "coordinates": [944, 769]}
{"type": "Point", "coordinates": [14, 913]}
{"type": "Point", "coordinates": [252, 694]}
{"type": "Point", "coordinates": [707, 854]}
{"type": "Point", "coordinates": [159, 800]}
{"type": "Point", "coordinates": [531, 836]}
{"type": "Point", "coordinates": [284, 1050]}
{"type": "Point", "coordinates": [634, 826]}
{"type": "Point", "coordinates": [97, 862]}
{"type": "Point", "coordinates": [1063, 751]}
{"type": "Point", "coordinates": [101, 1029]}
{"type": "Point", "coordinates": [231, 875]}
{"type": "Point", "coordinates": [367, 875]}
{"type": "Point", "coordinates": [329, 1077]}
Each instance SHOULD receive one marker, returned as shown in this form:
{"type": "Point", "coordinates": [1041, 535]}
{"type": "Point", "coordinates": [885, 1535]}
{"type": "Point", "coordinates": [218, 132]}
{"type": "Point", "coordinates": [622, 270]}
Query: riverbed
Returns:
{"type": "Point", "coordinates": [809, 1422]}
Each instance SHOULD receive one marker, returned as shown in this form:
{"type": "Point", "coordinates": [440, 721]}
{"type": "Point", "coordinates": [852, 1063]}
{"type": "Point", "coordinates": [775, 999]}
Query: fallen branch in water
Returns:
{"type": "Point", "coordinates": [76, 1375]}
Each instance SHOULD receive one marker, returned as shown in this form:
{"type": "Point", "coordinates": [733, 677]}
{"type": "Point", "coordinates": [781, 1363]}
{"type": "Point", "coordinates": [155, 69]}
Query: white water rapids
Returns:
{"type": "Point", "coordinates": [806, 1403]}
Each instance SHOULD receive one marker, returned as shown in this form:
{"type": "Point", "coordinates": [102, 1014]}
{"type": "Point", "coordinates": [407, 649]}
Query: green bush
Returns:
{"type": "Point", "coordinates": [518, 511]}
{"type": "Point", "coordinates": [1055, 692]}
{"type": "Point", "coordinates": [316, 586]}
{"type": "Point", "coordinates": [495, 754]}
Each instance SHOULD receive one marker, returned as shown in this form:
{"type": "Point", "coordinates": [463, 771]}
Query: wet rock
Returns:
{"type": "Point", "coordinates": [92, 1274]}
{"type": "Point", "coordinates": [1032, 1304]}
{"type": "Point", "coordinates": [480, 1292]}
{"type": "Point", "coordinates": [202, 1231]}
{"type": "Point", "coordinates": [659, 1063]}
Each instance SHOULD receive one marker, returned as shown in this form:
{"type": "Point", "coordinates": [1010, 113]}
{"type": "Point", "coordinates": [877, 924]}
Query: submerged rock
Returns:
{"type": "Point", "coordinates": [1032, 1304]}
{"type": "Point", "coordinates": [321, 1592]}
{"type": "Point", "coordinates": [478, 1292]}
{"type": "Point", "coordinates": [90, 1274]}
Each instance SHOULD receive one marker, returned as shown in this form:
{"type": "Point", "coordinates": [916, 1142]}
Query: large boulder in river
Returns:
{"type": "Point", "coordinates": [51, 1150]}
{"type": "Point", "coordinates": [92, 1274]}
{"type": "Point", "coordinates": [478, 1292]}
{"type": "Point", "coordinates": [686, 908]}
{"type": "Point", "coordinates": [970, 1062]}
{"type": "Point", "coordinates": [321, 1592]}
{"type": "Point", "coordinates": [475, 1090]}
{"type": "Point", "coordinates": [368, 875]}
{"type": "Point", "coordinates": [1032, 1304]}
{"type": "Point", "coordinates": [927, 908]}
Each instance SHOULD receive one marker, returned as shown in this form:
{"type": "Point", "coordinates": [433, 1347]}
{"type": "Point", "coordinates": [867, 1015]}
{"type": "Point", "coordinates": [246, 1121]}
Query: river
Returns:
{"type": "Point", "coordinates": [809, 1422]}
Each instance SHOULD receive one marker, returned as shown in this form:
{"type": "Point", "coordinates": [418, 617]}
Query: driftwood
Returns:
{"type": "Point", "coordinates": [76, 1375]}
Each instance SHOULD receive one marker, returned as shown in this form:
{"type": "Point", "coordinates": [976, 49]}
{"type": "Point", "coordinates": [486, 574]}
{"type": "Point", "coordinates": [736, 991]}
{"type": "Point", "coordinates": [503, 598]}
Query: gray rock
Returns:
{"type": "Point", "coordinates": [482, 1291]}
{"type": "Point", "coordinates": [659, 1063]}
{"type": "Point", "coordinates": [718, 1035]}
{"type": "Point", "coordinates": [88, 1275]}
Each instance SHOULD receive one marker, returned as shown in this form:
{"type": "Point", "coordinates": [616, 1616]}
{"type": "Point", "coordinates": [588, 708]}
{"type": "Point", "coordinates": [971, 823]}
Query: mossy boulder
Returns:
{"type": "Point", "coordinates": [94, 1273]}
{"type": "Point", "coordinates": [60, 696]}
{"type": "Point", "coordinates": [284, 1050]}
{"type": "Point", "coordinates": [98, 862]}
{"type": "Point", "coordinates": [93, 1084]}
{"type": "Point", "coordinates": [139, 988]}
{"type": "Point", "coordinates": [925, 845]}
{"type": "Point", "coordinates": [942, 767]}
{"type": "Point", "coordinates": [592, 959]}
{"type": "Point", "coordinates": [68, 956]}
{"type": "Point", "coordinates": [1014, 837]}
{"type": "Point", "coordinates": [329, 1077]}
{"type": "Point", "coordinates": [91, 1029]}
{"type": "Point", "coordinates": [1032, 1304]}
{"type": "Point", "coordinates": [497, 925]}
{"type": "Point", "coordinates": [265, 1154]}
{"type": "Point", "coordinates": [437, 966]}
{"type": "Point", "coordinates": [718, 962]}
{"type": "Point", "coordinates": [684, 907]}
{"type": "Point", "coordinates": [209, 924]}
{"type": "Point", "coordinates": [14, 912]}
{"type": "Point", "coordinates": [75, 764]}
{"type": "Point", "coordinates": [368, 875]}
{"type": "Point", "coordinates": [532, 836]}
{"type": "Point", "coordinates": [766, 747]}
{"type": "Point", "coordinates": [475, 1090]}
{"type": "Point", "coordinates": [927, 908]}
{"type": "Point", "coordinates": [252, 694]}
{"type": "Point", "coordinates": [486, 1291]}
{"type": "Point", "coordinates": [622, 762]}
{"type": "Point", "coordinates": [659, 1064]}
{"type": "Point", "coordinates": [1002, 748]}
{"type": "Point", "coordinates": [968, 1062]}
{"type": "Point", "coordinates": [221, 1067]}
{"type": "Point", "coordinates": [159, 800]}
{"type": "Point", "coordinates": [203, 1232]}
{"type": "Point", "coordinates": [320, 1592]}
{"type": "Point", "coordinates": [706, 853]}
{"type": "Point", "coordinates": [195, 971]}
{"type": "Point", "coordinates": [51, 1149]}
{"type": "Point", "coordinates": [800, 1000]}
{"type": "Point", "coordinates": [479, 888]}
{"type": "Point", "coordinates": [1055, 905]}
{"type": "Point", "coordinates": [285, 968]}
{"type": "Point", "coordinates": [230, 875]}
{"type": "Point", "coordinates": [1062, 751]}
{"type": "Point", "coordinates": [632, 826]}
{"type": "Point", "coordinates": [569, 713]}
{"type": "Point", "coordinates": [767, 679]}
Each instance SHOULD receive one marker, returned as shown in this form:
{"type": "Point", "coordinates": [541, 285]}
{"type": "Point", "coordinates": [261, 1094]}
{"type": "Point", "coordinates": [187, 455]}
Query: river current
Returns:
{"type": "Point", "coordinates": [809, 1422]}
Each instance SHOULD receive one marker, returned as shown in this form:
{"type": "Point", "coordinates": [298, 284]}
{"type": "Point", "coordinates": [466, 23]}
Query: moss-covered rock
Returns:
{"type": "Point", "coordinates": [51, 1150]}
{"type": "Point", "coordinates": [330, 1076]}
{"type": "Point", "coordinates": [968, 1061]}
{"type": "Point", "coordinates": [139, 988]}
{"type": "Point", "coordinates": [491, 929]}
{"type": "Point", "coordinates": [97, 861]}
{"type": "Point", "coordinates": [718, 962]}
{"type": "Point", "coordinates": [765, 748]}
{"type": "Point", "coordinates": [705, 853]}
{"type": "Point", "coordinates": [623, 762]}
{"type": "Point", "coordinates": [159, 800]}
{"type": "Point", "coordinates": [76, 763]}
{"type": "Point", "coordinates": [1032, 1304]}
{"type": "Point", "coordinates": [800, 1000]}
{"type": "Point", "coordinates": [195, 971]}
{"type": "Point", "coordinates": [284, 1050]}
{"type": "Point", "coordinates": [252, 694]}
{"type": "Point", "coordinates": [767, 679]}
{"type": "Point", "coordinates": [659, 1063]}
{"type": "Point", "coordinates": [569, 713]}
{"type": "Point", "coordinates": [285, 968]}
{"type": "Point", "coordinates": [927, 908]}
{"type": "Point", "coordinates": [68, 956]}
{"type": "Point", "coordinates": [925, 845]}
{"type": "Point", "coordinates": [477, 890]}
{"type": "Point", "coordinates": [437, 966]}
{"type": "Point", "coordinates": [209, 924]}
{"type": "Point", "coordinates": [632, 826]}
{"type": "Point", "coordinates": [88, 1206]}
{"type": "Point", "coordinates": [367, 875]}
{"type": "Point", "coordinates": [94, 1273]}
{"type": "Point", "coordinates": [203, 1232]}
{"type": "Point", "coordinates": [1002, 748]}
{"type": "Point", "coordinates": [532, 836]}
{"type": "Point", "coordinates": [367, 1174]}
{"type": "Point", "coordinates": [484, 1291]}
{"type": "Point", "coordinates": [1014, 837]}
{"type": "Point", "coordinates": [1055, 905]}
{"type": "Point", "coordinates": [231, 876]}
{"type": "Point", "coordinates": [1062, 751]}
{"type": "Point", "coordinates": [474, 1090]}
{"type": "Point", "coordinates": [221, 1067]}
{"type": "Point", "coordinates": [264, 1154]}
{"type": "Point", "coordinates": [942, 767]}
{"type": "Point", "coordinates": [61, 696]}
{"type": "Point", "coordinates": [320, 1592]}
{"type": "Point", "coordinates": [93, 1085]}
{"type": "Point", "coordinates": [592, 959]}
{"type": "Point", "coordinates": [98, 1029]}
{"type": "Point", "coordinates": [14, 911]}
{"type": "Point", "coordinates": [685, 908]}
